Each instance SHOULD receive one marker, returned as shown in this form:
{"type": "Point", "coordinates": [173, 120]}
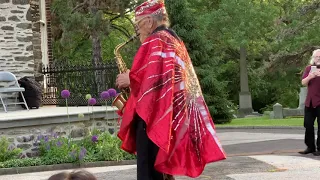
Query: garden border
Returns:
{"type": "Point", "coordinates": [67, 166]}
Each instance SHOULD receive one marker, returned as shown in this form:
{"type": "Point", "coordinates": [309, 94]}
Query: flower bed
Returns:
{"type": "Point", "coordinates": [61, 148]}
{"type": "Point", "coordinates": [97, 146]}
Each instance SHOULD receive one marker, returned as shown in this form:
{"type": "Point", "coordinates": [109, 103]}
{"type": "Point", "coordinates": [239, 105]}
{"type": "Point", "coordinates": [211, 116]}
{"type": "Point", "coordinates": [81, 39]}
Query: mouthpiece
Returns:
{"type": "Point", "coordinates": [131, 38]}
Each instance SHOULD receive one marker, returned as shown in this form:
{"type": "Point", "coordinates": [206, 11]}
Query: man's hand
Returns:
{"type": "Point", "coordinates": [123, 80]}
{"type": "Point", "coordinates": [314, 74]}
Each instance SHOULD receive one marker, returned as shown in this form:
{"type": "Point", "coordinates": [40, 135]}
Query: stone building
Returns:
{"type": "Point", "coordinates": [25, 37]}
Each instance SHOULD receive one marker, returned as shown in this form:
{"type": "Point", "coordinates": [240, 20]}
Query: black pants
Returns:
{"type": "Point", "coordinates": [310, 114]}
{"type": "Point", "coordinates": [146, 154]}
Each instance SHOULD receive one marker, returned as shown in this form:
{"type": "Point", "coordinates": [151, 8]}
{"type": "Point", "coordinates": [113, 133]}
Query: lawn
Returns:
{"type": "Point", "coordinates": [265, 121]}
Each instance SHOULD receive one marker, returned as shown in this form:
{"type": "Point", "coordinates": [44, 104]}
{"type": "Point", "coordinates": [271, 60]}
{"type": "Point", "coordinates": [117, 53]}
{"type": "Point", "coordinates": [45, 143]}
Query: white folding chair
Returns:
{"type": "Point", "coordinates": [15, 88]}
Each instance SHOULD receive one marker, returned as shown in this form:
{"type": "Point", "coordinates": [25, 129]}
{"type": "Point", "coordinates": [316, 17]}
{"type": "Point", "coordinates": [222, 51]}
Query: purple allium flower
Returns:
{"type": "Point", "coordinates": [40, 137]}
{"type": "Point", "coordinates": [46, 138]}
{"type": "Point", "coordinates": [65, 94]}
{"type": "Point", "coordinates": [59, 143]}
{"type": "Point", "coordinates": [94, 138]}
{"type": "Point", "coordinates": [105, 95]}
{"type": "Point", "coordinates": [55, 135]}
{"type": "Point", "coordinates": [82, 153]}
{"type": "Point", "coordinates": [112, 92]}
{"type": "Point", "coordinates": [73, 154]}
{"type": "Point", "coordinates": [92, 101]}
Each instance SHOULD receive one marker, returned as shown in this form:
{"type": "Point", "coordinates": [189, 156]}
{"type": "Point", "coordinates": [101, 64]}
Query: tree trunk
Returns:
{"type": "Point", "coordinates": [96, 55]}
{"type": "Point", "coordinates": [96, 49]}
{"type": "Point", "coordinates": [96, 62]}
{"type": "Point", "coordinates": [245, 101]}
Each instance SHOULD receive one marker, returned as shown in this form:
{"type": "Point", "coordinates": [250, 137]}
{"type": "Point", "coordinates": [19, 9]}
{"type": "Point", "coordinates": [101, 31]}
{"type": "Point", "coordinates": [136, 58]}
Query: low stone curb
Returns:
{"type": "Point", "coordinates": [259, 127]}
{"type": "Point", "coordinates": [57, 167]}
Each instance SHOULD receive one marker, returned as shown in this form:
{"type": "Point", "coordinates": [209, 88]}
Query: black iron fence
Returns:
{"type": "Point", "coordinates": [80, 80]}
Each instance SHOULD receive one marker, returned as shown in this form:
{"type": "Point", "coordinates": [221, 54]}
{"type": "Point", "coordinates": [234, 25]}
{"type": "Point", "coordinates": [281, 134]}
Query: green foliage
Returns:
{"type": "Point", "coordinates": [108, 148]}
{"type": "Point", "coordinates": [242, 22]}
{"type": "Point", "coordinates": [298, 25]}
{"type": "Point", "coordinates": [278, 35]}
{"type": "Point", "coordinates": [98, 146]}
{"type": "Point", "coordinates": [97, 30]}
{"type": "Point", "coordinates": [215, 96]}
{"type": "Point", "coordinates": [271, 31]}
{"type": "Point", "coordinates": [127, 52]}
{"type": "Point", "coordinates": [286, 86]}
{"type": "Point", "coordinates": [183, 21]}
{"type": "Point", "coordinates": [23, 162]}
{"type": "Point", "coordinates": [8, 152]}
{"type": "Point", "coordinates": [266, 121]}
{"type": "Point", "coordinates": [58, 150]}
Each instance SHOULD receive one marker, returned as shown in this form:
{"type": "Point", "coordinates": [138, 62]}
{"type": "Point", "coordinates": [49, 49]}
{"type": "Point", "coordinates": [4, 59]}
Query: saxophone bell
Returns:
{"type": "Point", "coordinates": [119, 102]}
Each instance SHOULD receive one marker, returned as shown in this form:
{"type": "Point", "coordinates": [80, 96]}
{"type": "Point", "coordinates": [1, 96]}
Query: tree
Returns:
{"type": "Point", "coordinates": [277, 36]}
{"type": "Point", "coordinates": [298, 26]}
{"type": "Point", "coordinates": [245, 26]}
{"type": "Point", "coordinates": [93, 19]}
{"type": "Point", "coordinates": [183, 21]}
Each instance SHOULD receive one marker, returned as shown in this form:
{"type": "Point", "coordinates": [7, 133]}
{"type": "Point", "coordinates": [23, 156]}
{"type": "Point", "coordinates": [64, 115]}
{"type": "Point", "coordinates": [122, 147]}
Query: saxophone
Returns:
{"type": "Point", "coordinates": [120, 100]}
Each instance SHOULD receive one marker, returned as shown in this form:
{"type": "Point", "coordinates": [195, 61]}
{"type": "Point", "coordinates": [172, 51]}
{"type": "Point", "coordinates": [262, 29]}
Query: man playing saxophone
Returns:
{"type": "Point", "coordinates": [165, 120]}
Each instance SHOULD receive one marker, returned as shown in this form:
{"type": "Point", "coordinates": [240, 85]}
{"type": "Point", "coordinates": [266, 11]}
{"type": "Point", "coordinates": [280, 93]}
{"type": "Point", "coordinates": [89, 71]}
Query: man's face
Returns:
{"type": "Point", "coordinates": [316, 58]}
{"type": "Point", "coordinates": [143, 27]}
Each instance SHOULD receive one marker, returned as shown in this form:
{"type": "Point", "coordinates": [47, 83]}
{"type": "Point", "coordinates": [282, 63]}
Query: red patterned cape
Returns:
{"type": "Point", "coordinates": [165, 92]}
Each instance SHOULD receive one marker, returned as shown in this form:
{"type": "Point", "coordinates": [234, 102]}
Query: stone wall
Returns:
{"type": "Point", "coordinates": [16, 50]}
{"type": "Point", "coordinates": [36, 40]}
{"type": "Point", "coordinates": [279, 112]}
{"type": "Point", "coordinates": [49, 32]}
{"type": "Point", "coordinates": [27, 138]}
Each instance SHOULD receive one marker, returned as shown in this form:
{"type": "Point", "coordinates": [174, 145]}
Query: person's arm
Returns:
{"type": "Point", "coordinates": [306, 80]}
{"type": "Point", "coordinates": [307, 76]}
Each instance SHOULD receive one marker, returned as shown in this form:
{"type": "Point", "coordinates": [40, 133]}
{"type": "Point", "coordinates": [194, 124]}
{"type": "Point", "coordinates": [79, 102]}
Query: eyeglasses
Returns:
{"type": "Point", "coordinates": [136, 24]}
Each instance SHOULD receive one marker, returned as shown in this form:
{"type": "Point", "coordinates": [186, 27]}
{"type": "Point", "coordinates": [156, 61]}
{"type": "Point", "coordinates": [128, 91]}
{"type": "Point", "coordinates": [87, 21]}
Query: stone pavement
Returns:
{"type": "Point", "coordinates": [262, 167]}
{"type": "Point", "coordinates": [261, 141]}
{"type": "Point", "coordinates": [287, 167]}
{"type": "Point", "coordinates": [252, 154]}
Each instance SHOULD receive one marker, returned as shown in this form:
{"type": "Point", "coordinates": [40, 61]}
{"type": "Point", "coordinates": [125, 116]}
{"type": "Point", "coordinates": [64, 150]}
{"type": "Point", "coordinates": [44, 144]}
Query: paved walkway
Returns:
{"type": "Point", "coordinates": [274, 158]}
{"type": "Point", "coordinates": [287, 167]}
{"type": "Point", "coordinates": [262, 167]}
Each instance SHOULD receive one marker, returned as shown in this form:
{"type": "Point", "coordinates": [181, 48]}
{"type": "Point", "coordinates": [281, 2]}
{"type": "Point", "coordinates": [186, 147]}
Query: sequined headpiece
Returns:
{"type": "Point", "coordinates": [150, 7]}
